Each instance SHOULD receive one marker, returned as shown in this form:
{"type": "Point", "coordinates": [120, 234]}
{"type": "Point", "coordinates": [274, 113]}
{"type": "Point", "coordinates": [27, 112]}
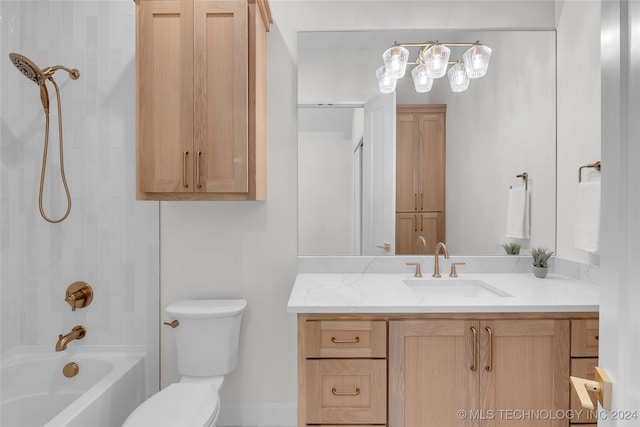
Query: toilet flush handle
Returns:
{"type": "Point", "coordinates": [173, 324]}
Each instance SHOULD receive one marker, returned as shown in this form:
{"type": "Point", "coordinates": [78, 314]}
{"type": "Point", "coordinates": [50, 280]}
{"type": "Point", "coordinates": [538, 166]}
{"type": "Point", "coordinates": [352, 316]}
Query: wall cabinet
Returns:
{"type": "Point", "coordinates": [410, 225]}
{"type": "Point", "coordinates": [420, 171]}
{"type": "Point", "coordinates": [458, 369]}
{"type": "Point", "coordinates": [201, 99]}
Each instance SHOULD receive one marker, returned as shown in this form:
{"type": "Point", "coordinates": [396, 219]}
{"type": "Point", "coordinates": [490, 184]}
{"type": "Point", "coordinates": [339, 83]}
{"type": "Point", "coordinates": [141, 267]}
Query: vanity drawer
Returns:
{"type": "Point", "coordinates": [584, 338]}
{"type": "Point", "coordinates": [583, 368]}
{"type": "Point", "coordinates": [345, 338]}
{"type": "Point", "coordinates": [346, 391]}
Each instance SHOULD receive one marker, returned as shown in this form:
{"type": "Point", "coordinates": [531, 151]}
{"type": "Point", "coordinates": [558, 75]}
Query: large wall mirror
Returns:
{"type": "Point", "coordinates": [503, 125]}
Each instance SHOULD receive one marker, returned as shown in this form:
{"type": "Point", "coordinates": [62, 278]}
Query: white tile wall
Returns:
{"type": "Point", "coordinates": [109, 240]}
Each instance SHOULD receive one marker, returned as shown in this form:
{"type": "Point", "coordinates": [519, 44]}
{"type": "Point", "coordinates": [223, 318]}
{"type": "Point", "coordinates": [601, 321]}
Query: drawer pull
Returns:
{"type": "Point", "coordinates": [345, 393]}
{"type": "Point", "coordinates": [337, 341]}
{"type": "Point", "coordinates": [598, 337]}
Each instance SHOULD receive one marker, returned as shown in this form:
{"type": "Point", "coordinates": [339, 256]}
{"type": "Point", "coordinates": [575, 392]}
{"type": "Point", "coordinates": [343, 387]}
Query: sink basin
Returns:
{"type": "Point", "coordinates": [454, 288]}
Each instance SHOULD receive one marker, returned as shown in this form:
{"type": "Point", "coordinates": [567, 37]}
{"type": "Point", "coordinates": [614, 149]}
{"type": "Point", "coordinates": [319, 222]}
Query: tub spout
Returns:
{"type": "Point", "coordinates": [76, 333]}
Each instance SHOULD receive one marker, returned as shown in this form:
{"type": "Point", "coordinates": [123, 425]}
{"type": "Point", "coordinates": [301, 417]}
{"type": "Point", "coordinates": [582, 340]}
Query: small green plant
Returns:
{"type": "Point", "coordinates": [511, 248]}
{"type": "Point", "coordinates": [541, 257]}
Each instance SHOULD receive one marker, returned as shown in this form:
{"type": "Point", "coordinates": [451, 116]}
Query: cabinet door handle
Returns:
{"type": "Point", "coordinates": [489, 367]}
{"type": "Point", "coordinates": [421, 201]}
{"type": "Point", "coordinates": [198, 184]}
{"type": "Point", "coordinates": [415, 223]}
{"type": "Point", "coordinates": [337, 341]}
{"type": "Point", "coordinates": [345, 393]}
{"type": "Point", "coordinates": [474, 366]}
{"type": "Point", "coordinates": [421, 222]}
{"type": "Point", "coordinates": [184, 169]}
{"type": "Point", "coordinates": [415, 202]}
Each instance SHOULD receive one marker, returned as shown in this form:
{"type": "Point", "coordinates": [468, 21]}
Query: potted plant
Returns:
{"type": "Point", "coordinates": [511, 248]}
{"type": "Point", "coordinates": [540, 261]}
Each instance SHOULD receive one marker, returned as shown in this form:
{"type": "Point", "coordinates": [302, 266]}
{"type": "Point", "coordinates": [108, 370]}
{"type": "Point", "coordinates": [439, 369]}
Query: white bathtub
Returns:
{"type": "Point", "coordinates": [35, 393]}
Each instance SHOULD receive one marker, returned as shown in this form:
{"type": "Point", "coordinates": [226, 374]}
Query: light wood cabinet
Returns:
{"type": "Point", "coordinates": [342, 372]}
{"type": "Point", "coordinates": [420, 171]}
{"type": "Point", "coordinates": [501, 369]}
{"type": "Point", "coordinates": [485, 368]}
{"type": "Point", "coordinates": [410, 225]}
{"type": "Point", "coordinates": [584, 359]}
{"type": "Point", "coordinates": [201, 99]}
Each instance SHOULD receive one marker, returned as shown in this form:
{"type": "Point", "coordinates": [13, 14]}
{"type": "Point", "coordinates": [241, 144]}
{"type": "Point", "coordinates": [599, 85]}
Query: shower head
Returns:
{"type": "Point", "coordinates": [28, 68]}
{"type": "Point", "coordinates": [38, 76]}
{"type": "Point", "coordinates": [35, 74]}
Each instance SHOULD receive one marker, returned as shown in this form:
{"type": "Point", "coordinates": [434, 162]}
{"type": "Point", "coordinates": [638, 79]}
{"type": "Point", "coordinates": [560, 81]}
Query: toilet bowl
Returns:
{"type": "Point", "coordinates": [207, 339]}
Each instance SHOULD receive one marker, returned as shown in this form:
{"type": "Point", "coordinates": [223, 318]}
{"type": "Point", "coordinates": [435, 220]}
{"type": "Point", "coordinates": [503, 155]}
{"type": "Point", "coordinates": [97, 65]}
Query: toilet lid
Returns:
{"type": "Point", "coordinates": [180, 404]}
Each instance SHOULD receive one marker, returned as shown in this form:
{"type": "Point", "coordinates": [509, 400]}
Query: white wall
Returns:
{"type": "Point", "coordinates": [109, 240]}
{"type": "Point", "coordinates": [620, 296]}
{"type": "Point", "coordinates": [578, 113]}
{"type": "Point", "coordinates": [325, 180]}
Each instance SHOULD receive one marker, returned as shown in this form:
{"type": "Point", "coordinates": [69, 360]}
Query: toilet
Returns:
{"type": "Point", "coordinates": [206, 339]}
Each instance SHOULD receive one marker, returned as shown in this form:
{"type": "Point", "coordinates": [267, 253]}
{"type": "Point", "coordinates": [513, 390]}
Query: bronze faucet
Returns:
{"type": "Point", "coordinates": [76, 333]}
{"type": "Point", "coordinates": [436, 266]}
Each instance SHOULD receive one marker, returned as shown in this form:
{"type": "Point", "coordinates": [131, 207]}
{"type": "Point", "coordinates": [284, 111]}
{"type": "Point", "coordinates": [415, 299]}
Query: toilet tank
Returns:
{"type": "Point", "coordinates": [207, 335]}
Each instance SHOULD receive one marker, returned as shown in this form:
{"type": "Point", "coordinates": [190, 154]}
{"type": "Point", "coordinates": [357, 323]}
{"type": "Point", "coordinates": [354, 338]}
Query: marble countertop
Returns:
{"type": "Point", "coordinates": [388, 293]}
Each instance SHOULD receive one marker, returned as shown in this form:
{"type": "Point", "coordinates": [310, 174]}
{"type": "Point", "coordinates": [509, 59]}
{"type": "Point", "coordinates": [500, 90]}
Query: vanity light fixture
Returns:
{"type": "Point", "coordinates": [432, 63]}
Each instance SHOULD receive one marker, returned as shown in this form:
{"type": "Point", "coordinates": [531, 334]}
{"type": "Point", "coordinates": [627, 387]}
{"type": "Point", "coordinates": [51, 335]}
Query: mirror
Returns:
{"type": "Point", "coordinates": [502, 126]}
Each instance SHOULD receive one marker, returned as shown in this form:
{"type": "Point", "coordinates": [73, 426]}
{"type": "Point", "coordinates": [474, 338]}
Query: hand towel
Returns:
{"type": "Point", "coordinates": [518, 217]}
{"type": "Point", "coordinates": [587, 228]}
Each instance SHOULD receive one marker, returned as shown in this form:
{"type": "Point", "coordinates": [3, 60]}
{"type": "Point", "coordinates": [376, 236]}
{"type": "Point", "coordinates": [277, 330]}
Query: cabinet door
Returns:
{"type": "Point", "coordinates": [433, 372]}
{"type": "Point", "coordinates": [221, 96]}
{"type": "Point", "coordinates": [165, 96]}
{"type": "Point", "coordinates": [406, 162]}
{"type": "Point", "coordinates": [431, 157]}
{"type": "Point", "coordinates": [411, 225]}
{"type": "Point", "coordinates": [524, 372]}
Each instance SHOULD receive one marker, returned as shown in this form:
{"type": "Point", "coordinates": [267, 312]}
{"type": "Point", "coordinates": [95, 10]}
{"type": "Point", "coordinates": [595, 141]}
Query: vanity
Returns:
{"type": "Point", "coordinates": [489, 349]}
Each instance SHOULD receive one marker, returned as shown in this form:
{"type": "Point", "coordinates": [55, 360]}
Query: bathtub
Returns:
{"type": "Point", "coordinates": [35, 393]}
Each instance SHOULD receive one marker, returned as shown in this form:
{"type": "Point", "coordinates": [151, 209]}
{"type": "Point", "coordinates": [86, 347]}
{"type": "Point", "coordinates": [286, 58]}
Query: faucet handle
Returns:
{"type": "Point", "coordinates": [453, 272]}
{"type": "Point", "coordinates": [418, 272]}
{"type": "Point", "coordinates": [78, 295]}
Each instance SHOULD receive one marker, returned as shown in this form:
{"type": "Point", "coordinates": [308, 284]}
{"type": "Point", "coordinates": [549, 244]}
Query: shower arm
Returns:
{"type": "Point", "coordinates": [48, 72]}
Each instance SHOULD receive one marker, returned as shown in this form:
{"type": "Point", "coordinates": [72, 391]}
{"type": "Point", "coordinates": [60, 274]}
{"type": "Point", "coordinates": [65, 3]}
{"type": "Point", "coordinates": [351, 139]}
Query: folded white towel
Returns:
{"type": "Point", "coordinates": [518, 215]}
{"type": "Point", "coordinates": [587, 228]}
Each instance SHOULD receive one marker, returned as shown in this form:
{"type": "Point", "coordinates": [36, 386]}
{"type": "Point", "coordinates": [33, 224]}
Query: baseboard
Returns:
{"type": "Point", "coordinates": [262, 415]}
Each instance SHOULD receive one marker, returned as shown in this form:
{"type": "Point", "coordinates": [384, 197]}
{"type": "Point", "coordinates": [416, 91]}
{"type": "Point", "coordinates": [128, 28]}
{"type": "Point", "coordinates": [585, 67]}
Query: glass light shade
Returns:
{"type": "Point", "coordinates": [421, 79]}
{"type": "Point", "coordinates": [476, 60]}
{"type": "Point", "coordinates": [458, 78]}
{"type": "Point", "coordinates": [395, 61]}
{"type": "Point", "coordinates": [436, 59]}
{"type": "Point", "coordinates": [386, 83]}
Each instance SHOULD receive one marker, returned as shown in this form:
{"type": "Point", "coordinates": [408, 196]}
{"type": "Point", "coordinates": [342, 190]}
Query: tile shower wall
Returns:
{"type": "Point", "coordinates": [110, 240]}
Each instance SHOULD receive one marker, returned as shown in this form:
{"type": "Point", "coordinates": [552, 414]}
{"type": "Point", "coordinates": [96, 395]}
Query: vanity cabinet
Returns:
{"type": "Point", "coordinates": [420, 173]}
{"type": "Point", "coordinates": [201, 99]}
{"type": "Point", "coordinates": [584, 359]}
{"type": "Point", "coordinates": [440, 369]}
{"type": "Point", "coordinates": [490, 369]}
{"type": "Point", "coordinates": [343, 372]}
